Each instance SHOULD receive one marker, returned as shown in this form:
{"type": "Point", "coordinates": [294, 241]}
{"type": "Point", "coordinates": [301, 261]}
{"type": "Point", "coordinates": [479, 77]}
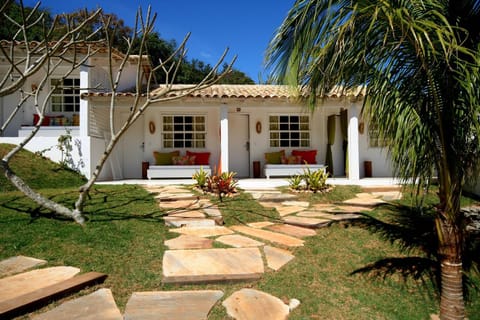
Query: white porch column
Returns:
{"type": "Point", "coordinates": [84, 84]}
{"type": "Point", "coordinates": [353, 144]}
{"type": "Point", "coordinates": [224, 137]}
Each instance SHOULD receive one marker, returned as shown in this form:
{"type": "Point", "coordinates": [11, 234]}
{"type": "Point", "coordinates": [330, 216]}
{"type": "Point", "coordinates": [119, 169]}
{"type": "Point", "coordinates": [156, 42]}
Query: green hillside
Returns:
{"type": "Point", "coordinates": [38, 172]}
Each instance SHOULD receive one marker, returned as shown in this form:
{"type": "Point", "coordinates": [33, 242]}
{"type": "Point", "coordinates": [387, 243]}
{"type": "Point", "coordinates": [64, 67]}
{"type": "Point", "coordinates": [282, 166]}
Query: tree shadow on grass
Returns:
{"type": "Point", "coordinates": [412, 229]}
{"type": "Point", "coordinates": [112, 205]}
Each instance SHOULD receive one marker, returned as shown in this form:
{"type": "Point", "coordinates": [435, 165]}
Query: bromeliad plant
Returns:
{"type": "Point", "coordinates": [201, 177]}
{"type": "Point", "coordinates": [314, 181]}
{"type": "Point", "coordinates": [222, 184]}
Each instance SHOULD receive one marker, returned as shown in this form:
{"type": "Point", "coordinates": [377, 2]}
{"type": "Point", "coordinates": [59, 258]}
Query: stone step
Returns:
{"type": "Point", "coordinates": [271, 236]}
{"type": "Point", "coordinates": [97, 305]}
{"type": "Point", "coordinates": [238, 241]}
{"type": "Point", "coordinates": [277, 258]}
{"type": "Point", "coordinates": [188, 242]}
{"type": "Point", "coordinates": [294, 231]}
{"type": "Point", "coordinates": [18, 264]}
{"type": "Point", "coordinates": [178, 305]}
{"type": "Point", "coordinates": [188, 222]}
{"type": "Point", "coordinates": [307, 222]}
{"type": "Point", "coordinates": [203, 231]}
{"type": "Point", "coordinates": [250, 304]}
{"type": "Point", "coordinates": [212, 265]}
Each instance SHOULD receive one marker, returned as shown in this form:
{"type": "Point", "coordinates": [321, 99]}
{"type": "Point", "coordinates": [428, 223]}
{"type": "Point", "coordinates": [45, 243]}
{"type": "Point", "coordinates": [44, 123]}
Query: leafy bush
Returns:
{"type": "Point", "coordinates": [221, 184]}
{"type": "Point", "coordinates": [201, 177]}
{"type": "Point", "coordinates": [313, 181]}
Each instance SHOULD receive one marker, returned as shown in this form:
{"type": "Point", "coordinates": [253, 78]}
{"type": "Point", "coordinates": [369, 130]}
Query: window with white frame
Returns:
{"type": "Point", "coordinates": [66, 95]}
{"type": "Point", "coordinates": [289, 131]}
{"type": "Point", "coordinates": [184, 131]}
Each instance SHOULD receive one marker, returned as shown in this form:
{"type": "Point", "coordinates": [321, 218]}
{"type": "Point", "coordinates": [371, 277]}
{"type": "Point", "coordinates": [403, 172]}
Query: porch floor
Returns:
{"type": "Point", "coordinates": [261, 183]}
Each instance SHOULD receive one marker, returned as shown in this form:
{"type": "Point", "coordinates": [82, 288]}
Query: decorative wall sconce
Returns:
{"type": "Point", "coordinates": [151, 127]}
{"type": "Point", "coordinates": [34, 87]}
{"type": "Point", "coordinates": [258, 127]}
{"type": "Point", "coordinates": [361, 127]}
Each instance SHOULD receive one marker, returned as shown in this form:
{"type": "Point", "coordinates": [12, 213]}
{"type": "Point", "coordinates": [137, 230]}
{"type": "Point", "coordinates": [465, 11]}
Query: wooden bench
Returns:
{"type": "Point", "coordinates": [287, 170]}
{"type": "Point", "coordinates": [175, 171]}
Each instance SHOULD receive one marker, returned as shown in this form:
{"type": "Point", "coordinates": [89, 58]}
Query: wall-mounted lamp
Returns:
{"type": "Point", "coordinates": [361, 127]}
{"type": "Point", "coordinates": [151, 127]}
{"type": "Point", "coordinates": [258, 127]}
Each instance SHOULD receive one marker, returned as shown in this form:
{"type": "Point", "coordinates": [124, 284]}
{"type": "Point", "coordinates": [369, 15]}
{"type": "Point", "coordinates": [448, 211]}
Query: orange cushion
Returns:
{"type": "Point", "coordinates": [201, 158]}
{"type": "Point", "coordinates": [309, 156]}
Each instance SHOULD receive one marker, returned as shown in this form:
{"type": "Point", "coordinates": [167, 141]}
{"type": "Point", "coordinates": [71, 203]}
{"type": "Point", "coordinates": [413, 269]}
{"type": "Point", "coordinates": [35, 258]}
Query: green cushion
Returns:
{"type": "Point", "coordinates": [274, 157]}
{"type": "Point", "coordinates": [164, 158]}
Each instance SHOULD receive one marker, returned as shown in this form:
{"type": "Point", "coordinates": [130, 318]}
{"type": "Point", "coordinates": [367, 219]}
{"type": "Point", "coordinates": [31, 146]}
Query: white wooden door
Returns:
{"type": "Point", "coordinates": [239, 145]}
{"type": "Point", "coordinates": [133, 147]}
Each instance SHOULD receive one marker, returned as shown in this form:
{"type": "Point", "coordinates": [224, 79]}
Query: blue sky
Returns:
{"type": "Point", "coordinates": [245, 26]}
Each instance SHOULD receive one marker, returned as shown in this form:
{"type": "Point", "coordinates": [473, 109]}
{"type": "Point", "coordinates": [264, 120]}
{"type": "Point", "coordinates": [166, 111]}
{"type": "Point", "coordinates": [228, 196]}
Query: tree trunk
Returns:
{"type": "Point", "coordinates": [452, 305]}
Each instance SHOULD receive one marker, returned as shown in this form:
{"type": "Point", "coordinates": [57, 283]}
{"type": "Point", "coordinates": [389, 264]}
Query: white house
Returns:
{"type": "Point", "coordinates": [236, 124]}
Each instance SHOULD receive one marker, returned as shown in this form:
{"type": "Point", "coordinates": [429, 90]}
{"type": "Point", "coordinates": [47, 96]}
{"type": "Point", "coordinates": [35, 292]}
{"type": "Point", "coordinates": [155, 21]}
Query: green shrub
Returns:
{"type": "Point", "coordinates": [313, 181]}
{"type": "Point", "coordinates": [201, 177]}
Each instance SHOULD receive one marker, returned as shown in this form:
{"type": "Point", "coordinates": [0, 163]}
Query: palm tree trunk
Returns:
{"type": "Point", "coordinates": [452, 304]}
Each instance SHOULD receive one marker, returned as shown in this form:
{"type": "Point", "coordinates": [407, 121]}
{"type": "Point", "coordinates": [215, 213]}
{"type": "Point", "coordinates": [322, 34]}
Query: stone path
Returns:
{"type": "Point", "coordinates": [194, 256]}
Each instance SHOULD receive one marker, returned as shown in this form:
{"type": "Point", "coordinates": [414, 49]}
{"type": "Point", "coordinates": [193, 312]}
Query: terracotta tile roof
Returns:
{"type": "Point", "coordinates": [237, 91]}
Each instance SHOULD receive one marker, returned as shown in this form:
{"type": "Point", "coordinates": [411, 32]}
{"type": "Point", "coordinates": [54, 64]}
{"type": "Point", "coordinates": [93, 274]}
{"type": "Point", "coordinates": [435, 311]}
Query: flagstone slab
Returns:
{"type": "Point", "coordinates": [349, 209]}
{"type": "Point", "coordinates": [186, 213]}
{"type": "Point", "coordinates": [198, 266]}
{"type": "Point", "coordinates": [188, 222]}
{"type": "Point", "coordinates": [18, 264]}
{"type": "Point", "coordinates": [204, 231]}
{"type": "Point", "coordinates": [260, 224]}
{"type": "Point", "coordinates": [389, 195]}
{"type": "Point", "coordinates": [304, 204]}
{"type": "Point", "coordinates": [324, 206]}
{"type": "Point", "coordinates": [212, 211]}
{"type": "Point", "coordinates": [178, 305]}
{"type": "Point", "coordinates": [307, 222]}
{"type": "Point", "coordinates": [365, 201]}
{"type": "Point", "coordinates": [294, 231]}
{"type": "Point", "coordinates": [166, 189]}
{"type": "Point", "coordinates": [23, 283]}
{"type": "Point", "coordinates": [189, 242]}
{"type": "Point", "coordinates": [250, 304]}
{"type": "Point", "coordinates": [315, 214]}
{"type": "Point", "coordinates": [238, 241]}
{"type": "Point", "coordinates": [277, 258]}
{"type": "Point", "coordinates": [286, 210]}
{"type": "Point", "coordinates": [268, 204]}
{"type": "Point", "coordinates": [176, 196]}
{"type": "Point", "coordinates": [330, 216]}
{"type": "Point", "coordinates": [275, 197]}
{"type": "Point", "coordinates": [97, 305]}
{"type": "Point", "coordinates": [179, 204]}
{"type": "Point", "coordinates": [271, 236]}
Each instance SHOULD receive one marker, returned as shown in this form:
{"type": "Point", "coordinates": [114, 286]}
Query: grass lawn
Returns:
{"type": "Point", "coordinates": [124, 237]}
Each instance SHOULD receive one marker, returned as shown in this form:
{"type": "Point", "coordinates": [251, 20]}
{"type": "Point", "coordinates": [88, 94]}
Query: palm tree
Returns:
{"type": "Point", "coordinates": [419, 61]}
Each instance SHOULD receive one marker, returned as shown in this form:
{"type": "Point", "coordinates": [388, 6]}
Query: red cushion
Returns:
{"type": "Point", "coordinates": [201, 158]}
{"type": "Point", "coordinates": [309, 156]}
